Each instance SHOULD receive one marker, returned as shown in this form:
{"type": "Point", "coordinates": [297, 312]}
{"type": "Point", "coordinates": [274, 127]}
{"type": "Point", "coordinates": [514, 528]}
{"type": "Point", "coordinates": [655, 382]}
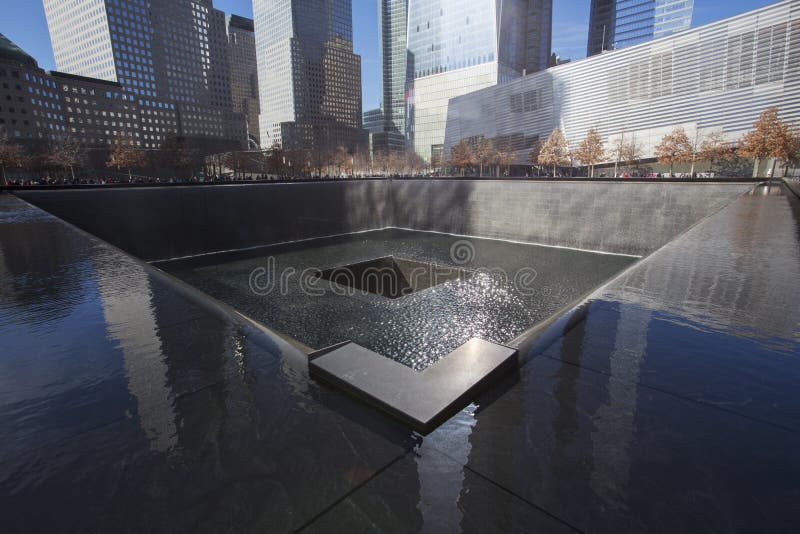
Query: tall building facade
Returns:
{"type": "Point", "coordinates": [715, 78]}
{"type": "Point", "coordinates": [170, 58]}
{"type": "Point", "coordinates": [433, 50]}
{"type": "Point", "coordinates": [30, 100]}
{"type": "Point", "coordinates": [244, 73]}
{"type": "Point", "coordinates": [615, 24]}
{"type": "Point", "coordinates": [38, 106]}
{"type": "Point", "coordinates": [308, 76]}
{"type": "Point", "coordinates": [393, 28]}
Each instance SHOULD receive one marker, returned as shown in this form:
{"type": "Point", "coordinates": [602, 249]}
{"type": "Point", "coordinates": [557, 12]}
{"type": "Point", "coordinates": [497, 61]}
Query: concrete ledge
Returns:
{"type": "Point", "coordinates": [424, 399]}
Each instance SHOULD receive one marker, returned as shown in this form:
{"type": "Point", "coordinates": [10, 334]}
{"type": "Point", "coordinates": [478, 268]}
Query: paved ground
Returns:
{"type": "Point", "coordinates": [130, 404]}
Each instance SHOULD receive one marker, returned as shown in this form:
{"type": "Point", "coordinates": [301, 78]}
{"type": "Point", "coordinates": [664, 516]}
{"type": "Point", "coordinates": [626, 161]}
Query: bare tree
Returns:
{"type": "Point", "coordinates": [299, 161]}
{"type": "Point", "coordinates": [237, 161]}
{"type": "Point", "coordinates": [275, 159]}
{"type": "Point", "coordinates": [320, 157]}
{"type": "Point", "coordinates": [769, 138]}
{"type": "Point", "coordinates": [11, 155]}
{"type": "Point", "coordinates": [555, 151]}
{"type": "Point", "coordinates": [484, 153]}
{"type": "Point", "coordinates": [125, 155]}
{"type": "Point", "coordinates": [178, 154]}
{"type": "Point", "coordinates": [794, 153]}
{"type": "Point", "coordinates": [462, 155]}
{"type": "Point", "coordinates": [590, 152]}
{"type": "Point", "coordinates": [503, 155]}
{"type": "Point", "coordinates": [395, 162]}
{"type": "Point", "coordinates": [618, 152]}
{"type": "Point", "coordinates": [415, 162]}
{"type": "Point", "coordinates": [340, 158]}
{"type": "Point", "coordinates": [380, 161]}
{"type": "Point", "coordinates": [715, 149]}
{"type": "Point", "coordinates": [533, 155]}
{"type": "Point", "coordinates": [66, 153]}
{"type": "Point", "coordinates": [632, 152]}
{"type": "Point", "coordinates": [675, 147]}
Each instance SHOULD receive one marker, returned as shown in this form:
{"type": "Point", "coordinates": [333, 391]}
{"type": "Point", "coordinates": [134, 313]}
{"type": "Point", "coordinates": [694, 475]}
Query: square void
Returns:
{"type": "Point", "coordinates": [392, 277]}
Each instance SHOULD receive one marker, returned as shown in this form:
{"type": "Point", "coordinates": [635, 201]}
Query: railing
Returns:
{"type": "Point", "coordinates": [149, 181]}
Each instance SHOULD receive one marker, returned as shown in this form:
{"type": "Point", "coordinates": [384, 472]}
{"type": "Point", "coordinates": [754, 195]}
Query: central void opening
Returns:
{"type": "Point", "coordinates": [410, 296]}
{"type": "Point", "coordinates": [393, 277]}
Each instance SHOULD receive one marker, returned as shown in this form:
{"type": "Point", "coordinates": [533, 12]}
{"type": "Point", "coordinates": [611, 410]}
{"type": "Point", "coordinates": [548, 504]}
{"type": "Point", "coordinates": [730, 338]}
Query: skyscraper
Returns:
{"type": "Point", "coordinates": [308, 76]}
{"type": "Point", "coordinates": [244, 72]}
{"type": "Point", "coordinates": [393, 27]}
{"type": "Point", "coordinates": [433, 50]}
{"type": "Point", "coordinates": [616, 24]}
{"type": "Point", "coordinates": [169, 56]}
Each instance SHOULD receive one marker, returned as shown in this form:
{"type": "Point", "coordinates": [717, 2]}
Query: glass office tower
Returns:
{"type": "Point", "coordinates": [308, 76]}
{"type": "Point", "coordinates": [393, 27]}
{"type": "Point", "coordinates": [244, 73]}
{"type": "Point", "coordinates": [446, 48]}
{"type": "Point", "coordinates": [615, 24]}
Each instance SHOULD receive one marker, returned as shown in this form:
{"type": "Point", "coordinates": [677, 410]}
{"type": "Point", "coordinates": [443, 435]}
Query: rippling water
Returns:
{"type": "Point", "coordinates": [517, 285]}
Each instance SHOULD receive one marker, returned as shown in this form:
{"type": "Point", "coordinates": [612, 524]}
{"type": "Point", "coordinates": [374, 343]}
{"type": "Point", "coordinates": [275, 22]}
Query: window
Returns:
{"type": "Point", "coordinates": [532, 100]}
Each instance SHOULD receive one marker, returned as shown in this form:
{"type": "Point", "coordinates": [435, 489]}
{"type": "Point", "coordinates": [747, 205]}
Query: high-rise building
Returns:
{"type": "Point", "coordinates": [373, 120]}
{"type": "Point", "coordinates": [30, 101]}
{"type": "Point", "coordinates": [374, 124]}
{"type": "Point", "coordinates": [393, 28]}
{"type": "Point", "coordinates": [38, 106]}
{"type": "Point", "coordinates": [616, 24]}
{"type": "Point", "coordinates": [244, 73]}
{"type": "Point", "coordinates": [433, 50]}
{"type": "Point", "coordinates": [170, 57]}
{"type": "Point", "coordinates": [308, 76]}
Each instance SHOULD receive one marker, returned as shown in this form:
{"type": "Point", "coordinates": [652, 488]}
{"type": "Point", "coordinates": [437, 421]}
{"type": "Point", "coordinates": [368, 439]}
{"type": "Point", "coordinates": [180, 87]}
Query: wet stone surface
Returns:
{"type": "Point", "coordinates": [512, 287]}
{"type": "Point", "coordinates": [671, 405]}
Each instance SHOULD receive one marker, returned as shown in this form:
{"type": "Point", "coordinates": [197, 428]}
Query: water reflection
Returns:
{"type": "Point", "coordinates": [131, 323]}
{"type": "Point", "coordinates": [634, 416]}
{"type": "Point", "coordinates": [739, 275]}
{"type": "Point", "coordinates": [614, 420]}
{"type": "Point", "coordinates": [441, 486]}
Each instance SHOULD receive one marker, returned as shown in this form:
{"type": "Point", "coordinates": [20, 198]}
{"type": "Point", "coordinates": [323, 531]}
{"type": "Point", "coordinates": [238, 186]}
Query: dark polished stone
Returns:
{"type": "Point", "coordinates": [160, 223]}
{"type": "Point", "coordinates": [429, 492]}
{"type": "Point", "coordinates": [606, 455]}
{"type": "Point", "coordinates": [711, 317]}
{"type": "Point", "coordinates": [422, 399]}
{"type": "Point", "coordinates": [129, 404]}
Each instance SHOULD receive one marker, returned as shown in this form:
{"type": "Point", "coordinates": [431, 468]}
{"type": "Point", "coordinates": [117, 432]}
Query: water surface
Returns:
{"type": "Point", "coordinates": [516, 286]}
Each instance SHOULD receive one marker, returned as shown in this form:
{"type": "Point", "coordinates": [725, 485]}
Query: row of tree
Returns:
{"type": "Point", "coordinates": [62, 153]}
{"type": "Point", "coordinates": [482, 153]}
{"type": "Point", "coordinates": [184, 158]}
{"type": "Point", "coordinates": [67, 154]}
{"type": "Point", "coordinates": [334, 161]}
{"type": "Point", "coordinates": [770, 137]}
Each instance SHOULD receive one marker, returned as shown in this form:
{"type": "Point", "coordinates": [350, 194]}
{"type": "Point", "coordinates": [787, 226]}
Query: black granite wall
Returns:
{"type": "Point", "coordinates": [170, 222]}
{"type": "Point", "coordinates": [627, 218]}
{"type": "Point", "coordinates": [793, 184]}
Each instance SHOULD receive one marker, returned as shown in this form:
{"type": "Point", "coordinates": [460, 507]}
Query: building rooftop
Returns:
{"type": "Point", "coordinates": [241, 22]}
{"type": "Point", "coordinates": [79, 78]}
{"type": "Point", "coordinates": [11, 52]}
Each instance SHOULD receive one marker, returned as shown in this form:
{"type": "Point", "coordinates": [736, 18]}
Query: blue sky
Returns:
{"type": "Point", "coordinates": [24, 23]}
